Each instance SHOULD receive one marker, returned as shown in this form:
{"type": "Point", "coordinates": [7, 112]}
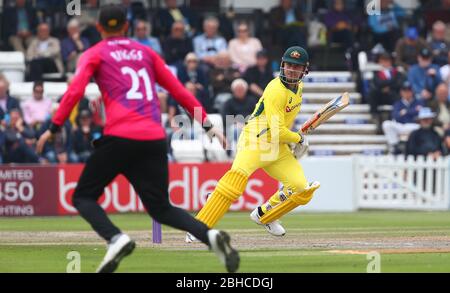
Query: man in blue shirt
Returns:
{"type": "Point", "coordinates": [424, 76]}
{"type": "Point", "coordinates": [209, 44]}
{"type": "Point", "coordinates": [404, 117]}
{"type": "Point", "coordinates": [142, 34]}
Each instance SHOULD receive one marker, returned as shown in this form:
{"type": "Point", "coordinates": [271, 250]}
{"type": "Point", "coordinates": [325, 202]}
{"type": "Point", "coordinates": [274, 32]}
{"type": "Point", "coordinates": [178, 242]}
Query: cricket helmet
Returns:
{"type": "Point", "coordinates": [294, 55]}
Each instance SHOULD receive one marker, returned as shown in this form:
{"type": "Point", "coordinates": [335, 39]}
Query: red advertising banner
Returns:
{"type": "Point", "coordinates": [28, 191]}
{"type": "Point", "coordinates": [48, 190]}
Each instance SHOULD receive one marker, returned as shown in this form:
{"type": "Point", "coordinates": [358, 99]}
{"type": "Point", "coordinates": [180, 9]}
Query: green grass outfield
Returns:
{"type": "Point", "coordinates": [316, 242]}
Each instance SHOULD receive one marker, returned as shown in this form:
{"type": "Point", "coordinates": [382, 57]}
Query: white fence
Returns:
{"type": "Point", "coordinates": [388, 182]}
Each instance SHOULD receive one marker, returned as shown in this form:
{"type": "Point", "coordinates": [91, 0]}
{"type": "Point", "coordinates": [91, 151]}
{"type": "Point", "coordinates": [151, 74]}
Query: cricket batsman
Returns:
{"type": "Point", "coordinates": [265, 142]}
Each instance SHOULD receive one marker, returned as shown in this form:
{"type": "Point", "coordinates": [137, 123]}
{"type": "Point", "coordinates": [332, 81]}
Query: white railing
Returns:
{"type": "Point", "coordinates": [388, 182]}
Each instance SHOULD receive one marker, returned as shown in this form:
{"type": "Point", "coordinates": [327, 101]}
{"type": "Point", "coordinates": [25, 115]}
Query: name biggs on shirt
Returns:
{"type": "Point", "coordinates": [120, 55]}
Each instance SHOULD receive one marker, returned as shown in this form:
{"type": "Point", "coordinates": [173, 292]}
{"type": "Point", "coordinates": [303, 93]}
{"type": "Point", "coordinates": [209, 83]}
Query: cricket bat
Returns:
{"type": "Point", "coordinates": [324, 113]}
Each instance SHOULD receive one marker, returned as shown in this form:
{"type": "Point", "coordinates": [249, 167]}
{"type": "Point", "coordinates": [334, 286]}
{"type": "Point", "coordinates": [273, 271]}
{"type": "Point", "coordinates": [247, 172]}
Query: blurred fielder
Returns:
{"type": "Point", "coordinates": [134, 142]}
{"type": "Point", "coordinates": [267, 142]}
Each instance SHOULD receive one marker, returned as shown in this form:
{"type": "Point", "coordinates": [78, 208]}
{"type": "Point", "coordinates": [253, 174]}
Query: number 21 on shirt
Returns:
{"type": "Point", "coordinates": [133, 93]}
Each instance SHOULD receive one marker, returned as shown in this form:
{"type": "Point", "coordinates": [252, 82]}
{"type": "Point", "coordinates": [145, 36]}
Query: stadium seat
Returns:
{"type": "Point", "coordinates": [188, 151]}
{"type": "Point", "coordinates": [12, 65]}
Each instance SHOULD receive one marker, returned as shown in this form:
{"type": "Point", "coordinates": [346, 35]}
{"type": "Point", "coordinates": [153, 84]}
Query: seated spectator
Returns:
{"type": "Point", "coordinates": [142, 34]}
{"type": "Point", "coordinates": [200, 95]}
{"type": "Point", "coordinates": [242, 105]}
{"type": "Point", "coordinates": [260, 75]}
{"type": "Point", "coordinates": [55, 14]}
{"type": "Point", "coordinates": [445, 72]}
{"type": "Point", "coordinates": [407, 48]}
{"type": "Point", "coordinates": [18, 25]}
{"type": "Point", "coordinates": [173, 13]}
{"type": "Point", "coordinates": [83, 104]}
{"type": "Point", "coordinates": [424, 76]}
{"type": "Point", "coordinates": [44, 54]}
{"type": "Point", "coordinates": [386, 84]}
{"type": "Point", "coordinates": [447, 141]}
{"type": "Point", "coordinates": [177, 44]}
{"type": "Point", "coordinates": [190, 72]}
{"type": "Point", "coordinates": [7, 103]}
{"type": "Point", "coordinates": [223, 74]}
{"type": "Point", "coordinates": [86, 132]}
{"type": "Point", "coordinates": [441, 106]}
{"type": "Point", "coordinates": [339, 24]}
{"type": "Point", "coordinates": [385, 25]}
{"type": "Point", "coordinates": [18, 140]}
{"type": "Point", "coordinates": [73, 45]}
{"type": "Point", "coordinates": [208, 45]}
{"type": "Point", "coordinates": [135, 11]}
{"type": "Point", "coordinates": [243, 49]}
{"type": "Point", "coordinates": [425, 141]}
{"type": "Point", "coordinates": [404, 117]}
{"type": "Point", "coordinates": [439, 46]}
{"type": "Point", "coordinates": [36, 109]}
{"type": "Point", "coordinates": [58, 149]}
{"type": "Point", "coordinates": [288, 25]}
{"type": "Point", "coordinates": [87, 19]}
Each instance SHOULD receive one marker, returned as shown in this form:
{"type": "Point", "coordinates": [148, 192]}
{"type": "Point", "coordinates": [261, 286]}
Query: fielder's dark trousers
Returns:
{"type": "Point", "coordinates": [144, 164]}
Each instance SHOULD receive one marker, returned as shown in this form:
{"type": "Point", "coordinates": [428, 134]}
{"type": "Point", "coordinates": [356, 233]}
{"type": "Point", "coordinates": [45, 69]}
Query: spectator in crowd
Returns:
{"type": "Point", "coordinates": [441, 106]}
{"type": "Point", "coordinates": [44, 54]}
{"type": "Point", "coordinates": [19, 25]}
{"type": "Point", "coordinates": [439, 46]}
{"type": "Point", "coordinates": [172, 13]}
{"type": "Point", "coordinates": [238, 108]}
{"type": "Point", "coordinates": [135, 11]}
{"type": "Point", "coordinates": [208, 45]}
{"type": "Point", "coordinates": [88, 19]}
{"type": "Point", "coordinates": [386, 84]}
{"type": "Point", "coordinates": [86, 132]}
{"type": "Point", "coordinates": [445, 72]}
{"type": "Point", "coordinates": [288, 25]}
{"type": "Point", "coordinates": [425, 141]}
{"type": "Point", "coordinates": [36, 110]}
{"type": "Point", "coordinates": [339, 24]}
{"type": "Point", "coordinates": [223, 74]}
{"type": "Point", "coordinates": [179, 122]}
{"type": "Point", "coordinates": [59, 148]}
{"type": "Point", "coordinates": [201, 95]}
{"type": "Point", "coordinates": [18, 138]}
{"type": "Point", "coordinates": [447, 141]}
{"type": "Point", "coordinates": [243, 49]}
{"type": "Point", "coordinates": [177, 44]}
{"type": "Point", "coordinates": [385, 25]}
{"type": "Point", "coordinates": [260, 75]}
{"type": "Point", "coordinates": [142, 34]}
{"type": "Point", "coordinates": [83, 104]}
{"type": "Point", "coordinates": [407, 48]}
{"type": "Point", "coordinates": [404, 115]}
{"type": "Point", "coordinates": [190, 72]}
{"type": "Point", "coordinates": [7, 103]}
{"type": "Point", "coordinates": [73, 45]}
{"type": "Point", "coordinates": [424, 76]}
{"type": "Point", "coordinates": [55, 14]}
{"type": "Point", "coordinates": [174, 108]}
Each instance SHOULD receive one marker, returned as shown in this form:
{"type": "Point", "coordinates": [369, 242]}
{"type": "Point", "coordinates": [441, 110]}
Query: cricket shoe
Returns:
{"type": "Point", "coordinates": [220, 243]}
{"type": "Point", "coordinates": [117, 250]}
{"type": "Point", "coordinates": [273, 228]}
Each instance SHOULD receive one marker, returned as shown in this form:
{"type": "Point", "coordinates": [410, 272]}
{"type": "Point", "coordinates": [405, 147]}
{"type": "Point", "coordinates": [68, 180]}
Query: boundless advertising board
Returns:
{"type": "Point", "coordinates": [47, 190]}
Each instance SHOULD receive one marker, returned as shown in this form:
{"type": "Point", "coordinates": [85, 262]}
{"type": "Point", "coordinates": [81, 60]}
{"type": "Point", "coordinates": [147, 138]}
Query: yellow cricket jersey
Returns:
{"type": "Point", "coordinates": [275, 113]}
